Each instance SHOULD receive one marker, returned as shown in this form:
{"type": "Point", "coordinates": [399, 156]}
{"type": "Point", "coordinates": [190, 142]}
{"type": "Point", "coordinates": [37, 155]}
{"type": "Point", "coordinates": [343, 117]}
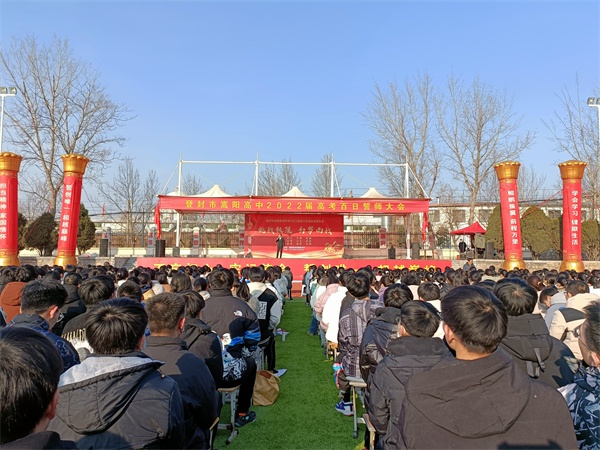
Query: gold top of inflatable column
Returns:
{"type": "Point", "coordinates": [74, 163]}
{"type": "Point", "coordinates": [507, 170]}
{"type": "Point", "coordinates": [572, 170]}
{"type": "Point", "coordinates": [10, 161]}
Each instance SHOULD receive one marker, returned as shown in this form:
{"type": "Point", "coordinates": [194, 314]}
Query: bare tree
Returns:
{"type": "Point", "coordinates": [530, 184]}
{"type": "Point", "coordinates": [61, 108]}
{"type": "Point", "coordinates": [191, 185]}
{"type": "Point", "coordinates": [401, 119]}
{"type": "Point", "coordinates": [575, 131]}
{"type": "Point", "coordinates": [276, 179]}
{"type": "Point", "coordinates": [321, 179]}
{"type": "Point", "coordinates": [479, 129]}
{"type": "Point", "coordinates": [134, 205]}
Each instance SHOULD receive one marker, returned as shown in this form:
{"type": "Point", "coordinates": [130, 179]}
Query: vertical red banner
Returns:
{"type": "Point", "coordinates": [10, 164]}
{"type": "Point", "coordinates": [74, 166]}
{"type": "Point", "coordinates": [508, 173]}
{"type": "Point", "coordinates": [571, 173]}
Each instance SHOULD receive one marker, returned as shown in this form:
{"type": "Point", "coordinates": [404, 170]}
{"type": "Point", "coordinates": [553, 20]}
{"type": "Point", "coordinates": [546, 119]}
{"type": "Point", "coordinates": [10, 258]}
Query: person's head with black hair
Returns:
{"type": "Point", "coordinates": [200, 284]}
{"type": "Point", "coordinates": [96, 289]}
{"type": "Point", "coordinates": [180, 282]}
{"type": "Point", "coordinates": [546, 295]}
{"type": "Point", "coordinates": [130, 289]}
{"type": "Point", "coordinates": [487, 284]}
{"type": "Point", "coordinates": [475, 276]}
{"type": "Point", "coordinates": [418, 319]}
{"type": "Point", "coordinates": [397, 295]}
{"type": "Point", "coordinates": [26, 273]}
{"type": "Point", "coordinates": [144, 278]}
{"type": "Point", "coordinates": [122, 274]}
{"type": "Point", "coordinates": [72, 278]}
{"type": "Point", "coordinates": [359, 285]}
{"type": "Point", "coordinates": [256, 274]}
{"type": "Point", "coordinates": [161, 277]}
{"type": "Point", "coordinates": [517, 296]}
{"type": "Point", "coordinates": [576, 287]}
{"type": "Point", "coordinates": [345, 276]}
{"type": "Point", "coordinates": [475, 321]}
{"type": "Point", "coordinates": [411, 278]}
{"type": "Point", "coordinates": [220, 279]}
{"type": "Point", "coordinates": [44, 298]}
{"type": "Point", "coordinates": [166, 314]}
{"type": "Point", "coordinates": [30, 369]}
{"type": "Point", "coordinates": [194, 303]}
{"type": "Point", "coordinates": [116, 327]}
{"type": "Point", "coordinates": [428, 291]}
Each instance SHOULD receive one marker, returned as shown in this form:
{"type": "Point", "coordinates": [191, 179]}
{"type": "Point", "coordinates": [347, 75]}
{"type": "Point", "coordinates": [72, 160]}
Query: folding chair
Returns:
{"type": "Point", "coordinates": [356, 383]}
{"type": "Point", "coordinates": [371, 429]}
{"type": "Point", "coordinates": [230, 394]}
{"type": "Point", "coordinates": [212, 434]}
{"type": "Point", "coordinates": [259, 354]}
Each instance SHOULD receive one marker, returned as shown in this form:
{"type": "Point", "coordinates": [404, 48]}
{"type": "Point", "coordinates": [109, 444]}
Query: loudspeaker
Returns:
{"type": "Point", "coordinates": [103, 248]}
{"type": "Point", "coordinates": [489, 250]}
{"type": "Point", "coordinates": [160, 248]}
{"type": "Point", "coordinates": [415, 250]}
{"type": "Point", "coordinates": [176, 252]}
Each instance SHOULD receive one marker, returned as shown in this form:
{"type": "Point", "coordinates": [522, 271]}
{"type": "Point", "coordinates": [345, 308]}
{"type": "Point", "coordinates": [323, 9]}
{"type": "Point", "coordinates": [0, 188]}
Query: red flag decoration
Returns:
{"type": "Point", "coordinates": [425, 226]}
{"type": "Point", "coordinates": [157, 220]}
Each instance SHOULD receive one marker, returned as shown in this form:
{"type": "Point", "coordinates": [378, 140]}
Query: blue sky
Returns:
{"type": "Point", "coordinates": [230, 80]}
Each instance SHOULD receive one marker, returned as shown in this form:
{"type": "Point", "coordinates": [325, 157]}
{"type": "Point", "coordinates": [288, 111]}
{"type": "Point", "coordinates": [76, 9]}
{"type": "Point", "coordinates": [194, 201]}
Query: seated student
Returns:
{"type": "Point", "coordinates": [30, 368]}
{"type": "Point", "coordinates": [582, 395]}
{"type": "Point", "coordinates": [430, 292]}
{"type": "Point", "coordinates": [353, 322]}
{"type": "Point", "coordinates": [331, 310]}
{"type": "Point", "coordinates": [117, 397]}
{"type": "Point", "coordinates": [73, 306]}
{"type": "Point", "coordinates": [201, 340]}
{"type": "Point", "coordinates": [130, 289]}
{"type": "Point", "coordinates": [565, 320]}
{"type": "Point", "coordinates": [527, 340]}
{"type": "Point", "coordinates": [197, 386]}
{"type": "Point", "coordinates": [481, 399]}
{"type": "Point", "coordinates": [383, 326]}
{"type": "Point", "coordinates": [41, 301]}
{"type": "Point", "coordinates": [413, 351]}
{"type": "Point", "coordinates": [236, 323]}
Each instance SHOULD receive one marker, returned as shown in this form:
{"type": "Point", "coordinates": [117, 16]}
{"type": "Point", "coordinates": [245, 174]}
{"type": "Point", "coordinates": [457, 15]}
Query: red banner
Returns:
{"type": "Point", "coordinates": [572, 220]}
{"type": "Point", "coordinates": [306, 235]}
{"type": "Point", "coordinates": [69, 215]}
{"type": "Point", "coordinates": [244, 205]}
{"type": "Point", "coordinates": [297, 265]}
{"type": "Point", "coordinates": [9, 215]}
{"type": "Point", "coordinates": [511, 221]}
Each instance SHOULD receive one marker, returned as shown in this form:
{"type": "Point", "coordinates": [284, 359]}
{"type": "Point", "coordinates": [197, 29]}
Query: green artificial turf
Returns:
{"type": "Point", "coordinates": [303, 417]}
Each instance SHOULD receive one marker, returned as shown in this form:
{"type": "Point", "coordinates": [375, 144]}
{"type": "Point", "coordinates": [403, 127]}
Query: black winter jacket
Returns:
{"type": "Point", "coordinates": [375, 339]}
{"type": "Point", "coordinates": [196, 385]}
{"type": "Point", "coordinates": [41, 440]}
{"type": "Point", "coordinates": [538, 354]}
{"type": "Point", "coordinates": [119, 401]}
{"type": "Point", "coordinates": [406, 356]}
{"type": "Point", "coordinates": [233, 320]}
{"type": "Point", "coordinates": [483, 403]}
{"type": "Point", "coordinates": [205, 344]}
{"type": "Point", "coordinates": [72, 308]}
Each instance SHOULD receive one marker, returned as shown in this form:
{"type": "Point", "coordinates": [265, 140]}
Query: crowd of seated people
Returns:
{"type": "Point", "coordinates": [137, 356]}
{"type": "Point", "coordinates": [103, 357]}
{"type": "Point", "coordinates": [465, 358]}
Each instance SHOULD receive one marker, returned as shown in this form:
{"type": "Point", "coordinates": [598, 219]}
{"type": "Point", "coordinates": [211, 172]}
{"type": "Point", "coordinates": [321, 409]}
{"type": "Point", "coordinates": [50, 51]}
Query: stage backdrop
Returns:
{"type": "Point", "coordinates": [306, 235]}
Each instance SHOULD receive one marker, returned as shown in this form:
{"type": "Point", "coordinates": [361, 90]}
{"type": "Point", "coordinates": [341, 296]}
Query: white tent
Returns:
{"type": "Point", "coordinates": [373, 193]}
{"type": "Point", "coordinates": [214, 191]}
{"type": "Point", "coordinates": [294, 192]}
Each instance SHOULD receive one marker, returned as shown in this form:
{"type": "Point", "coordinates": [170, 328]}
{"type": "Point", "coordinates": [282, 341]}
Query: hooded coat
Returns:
{"type": "Point", "coordinates": [205, 344]}
{"type": "Point", "coordinates": [196, 386]}
{"type": "Point", "coordinates": [538, 354]}
{"type": "Point", "coordinates": [375, 339]}
{"type": "Point", "coordinates": [406, 356]}
{"type": "Point", "coordinates": [483, 403]}
{"type": "Point", "coordinates": [119, 402]}
{"type": "Point", "coordinates": [352, 327]}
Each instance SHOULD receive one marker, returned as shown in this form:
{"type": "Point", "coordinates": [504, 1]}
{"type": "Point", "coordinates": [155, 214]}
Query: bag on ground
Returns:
{"type": "Point", "coordinates": [266, 388]}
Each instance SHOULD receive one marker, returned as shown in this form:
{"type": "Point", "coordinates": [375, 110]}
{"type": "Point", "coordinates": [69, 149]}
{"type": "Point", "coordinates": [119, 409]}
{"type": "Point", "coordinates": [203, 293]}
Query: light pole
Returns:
{"type": "Point", "coordinates": [5, 92]}
{"type": "Point", "coordinates": [595, 103]}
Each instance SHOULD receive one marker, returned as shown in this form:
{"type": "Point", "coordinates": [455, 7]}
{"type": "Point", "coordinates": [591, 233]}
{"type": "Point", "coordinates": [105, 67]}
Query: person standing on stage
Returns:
{"type": "Point", "coordinates": [280, 243]}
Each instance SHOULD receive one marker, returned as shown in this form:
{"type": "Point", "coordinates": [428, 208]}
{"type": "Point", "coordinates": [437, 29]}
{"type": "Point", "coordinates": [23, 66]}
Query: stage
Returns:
{"type": "Point", "coordinates": [298, 266]}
